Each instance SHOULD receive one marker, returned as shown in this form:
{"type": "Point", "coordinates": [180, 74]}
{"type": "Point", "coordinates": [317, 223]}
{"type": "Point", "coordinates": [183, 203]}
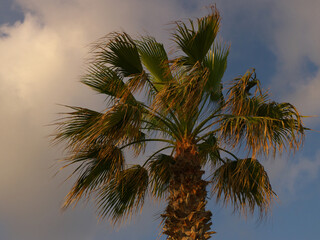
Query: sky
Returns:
{"type": "Point", "coordinates": [43, 50]}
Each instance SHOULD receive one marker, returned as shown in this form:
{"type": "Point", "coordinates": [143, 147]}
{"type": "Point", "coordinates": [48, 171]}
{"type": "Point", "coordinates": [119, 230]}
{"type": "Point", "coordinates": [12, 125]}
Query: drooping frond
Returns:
{"type": "Point", "coordinates": [96, 166]}
{"type": "Point", "coordinates": [209, 150]}
{"type": "Point", "coordinates": [244, 184]}
{"type": "Point", "coordinates": [124, 194]}
{"type": "Point", "coordinates": [160, 174]}
{"type": "Point", "coordinates": [195, 41]}
{"type": "Point", "coordinates": [263, 125]}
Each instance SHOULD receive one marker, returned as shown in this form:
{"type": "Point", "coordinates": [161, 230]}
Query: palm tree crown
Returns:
{"type": "Point", "coordinates": [185, 106]}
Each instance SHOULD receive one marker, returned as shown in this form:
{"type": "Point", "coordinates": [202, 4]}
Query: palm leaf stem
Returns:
{"type": "Point", "coordinates": [147, 140]}
{"type": "Point", "coordinates": [208, 126]}
{"type": "Point", "coordinates": [194, 120]}
{"type": "Point", "coordinates": [175, 128]}
{"type": "Point", "coordinates": [230, 153]}
{"type": "Point", "coordinates": [164, 148]}
{"type": "Point", "coordinates": [175, 119]}
{"type": "Point", "coordinates": [156, 128]}
{"type": "Point", "coordinates": [206, 135]}
{"type": "Point", "coordinates": [199, 129]}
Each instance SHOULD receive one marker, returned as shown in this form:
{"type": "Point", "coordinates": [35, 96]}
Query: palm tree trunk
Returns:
{"type": "Point", "coordinates": [185, 217]}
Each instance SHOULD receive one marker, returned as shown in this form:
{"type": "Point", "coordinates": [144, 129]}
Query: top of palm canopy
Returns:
{"type": "Point", "coordinates": [184, 107]}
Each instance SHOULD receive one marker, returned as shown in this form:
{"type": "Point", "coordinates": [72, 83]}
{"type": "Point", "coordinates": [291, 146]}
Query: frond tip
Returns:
{"type": "Point", "coordinates": [245, 184]}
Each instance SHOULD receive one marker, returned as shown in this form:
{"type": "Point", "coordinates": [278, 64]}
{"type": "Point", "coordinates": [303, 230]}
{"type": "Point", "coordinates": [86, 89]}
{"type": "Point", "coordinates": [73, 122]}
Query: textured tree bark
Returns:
{"type": "Point", "coordinates": [185, 217]}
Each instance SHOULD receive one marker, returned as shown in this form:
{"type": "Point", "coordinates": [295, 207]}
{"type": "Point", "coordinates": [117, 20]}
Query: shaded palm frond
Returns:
{"type": "Point", "coordinates": [209, 150]}
{"type": "Point", "coordinates": [107, 81]}
{"type": "Point", "coordinates": [97, 165]}
{"type": "Point", "coordinates": [155, 59]}
{"type": "Point", "coordinates": [244, 184]}
{"type": "Point", "coordinates": [120, 52]}
{"type": "Point", "coordinates": [121, 124]}
{"type": "Point", "coordinates": [216, 62]}
{"type": "Point", "coordinates": [84, 127]}
{"type": "Point", "coordinates": [195, 41]}
{"type": "Point", "coordinates": [124, 194]}
{"type": "Point", "coordinates": [160, 174]}
{"type": "Point", "coordinates": [75, 127]}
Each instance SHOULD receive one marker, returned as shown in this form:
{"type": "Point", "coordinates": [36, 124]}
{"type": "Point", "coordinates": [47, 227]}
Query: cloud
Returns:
{"type": "Point", "coordinates": [41, 61]}
{"type": "Point", "coordinates": [296, 45]}
{"type": "Point", "coordinates": [288, 177]}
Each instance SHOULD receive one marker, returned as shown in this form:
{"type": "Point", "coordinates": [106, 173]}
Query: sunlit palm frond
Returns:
{"type": "Point", "coordinates": [263, 125]}
{"type": "Point", "coordinates": [75, 126]}
{"type": "Point", "coordinates": [84, 127]}
{"type": "Point", "coordinates": [184, 94]}
{"type": "Point", "coordinates": [124, 194]}
{"type": "Point", "coordinates": [244, 184]}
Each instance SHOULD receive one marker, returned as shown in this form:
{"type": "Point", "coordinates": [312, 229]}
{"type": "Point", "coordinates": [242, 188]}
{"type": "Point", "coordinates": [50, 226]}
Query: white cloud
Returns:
{"type": "Point", "coordinates": [41, 61]}
{"type": "Point", "coordinates": [296, 46]}
{"type": "Point", "coordinates": [289, 176]}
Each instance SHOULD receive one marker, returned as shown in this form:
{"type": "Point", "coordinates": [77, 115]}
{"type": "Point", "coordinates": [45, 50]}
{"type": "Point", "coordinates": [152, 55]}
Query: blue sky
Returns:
{"type": "Point", "coordinates": [43, 47]}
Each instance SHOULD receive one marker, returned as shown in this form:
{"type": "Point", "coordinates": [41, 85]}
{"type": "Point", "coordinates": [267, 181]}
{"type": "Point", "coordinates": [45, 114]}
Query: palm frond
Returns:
{"type": "Point", "coordinates": [160, 174]}
{"type": "Point", "coordinates": [120, 52]}
{"type": "Point", "coordinates": [84, 127]}
{"type": "Point", "coordinates": [216, 62]}
{"type": "Point", "coordinates": [75, 126]}
{"type": "Point", "coordinates": [155, 59]}
{"type": "Point", "coordinates": [124, 194]}
{"type": "Point", "coordinates": [195, 41]}
{"type": "Point", "coordinates": [244, 184]}
{"type": "Point", "coordinates": [263, 125]}
{"type": "Point", "coordinates": [209, 150]}
{"type": "Point", "coordinates": [97, 165]}
{"type": "Point", "coordinates": [183, 94]}
{"type": "Point", "coordinates": [107, 81]}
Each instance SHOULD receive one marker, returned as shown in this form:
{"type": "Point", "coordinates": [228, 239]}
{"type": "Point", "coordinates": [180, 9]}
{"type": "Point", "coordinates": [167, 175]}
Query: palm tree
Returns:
{"type": "Point", "coordinates": [179, 102]}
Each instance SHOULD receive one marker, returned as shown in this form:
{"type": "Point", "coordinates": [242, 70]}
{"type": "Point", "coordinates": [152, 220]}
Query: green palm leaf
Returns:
{"type": "Point", "coordinates": [216, 62]}
{"type": "Point", "coordinates": [120, 53]}
{"type": "Point", "coordinates": [107, 81]}
{"type": "Point", "coordinates": [196, 41]}
{"type": "Point", "coordinates": [124, 194]}
{"type": "Point", "coordinates": [155, 59]}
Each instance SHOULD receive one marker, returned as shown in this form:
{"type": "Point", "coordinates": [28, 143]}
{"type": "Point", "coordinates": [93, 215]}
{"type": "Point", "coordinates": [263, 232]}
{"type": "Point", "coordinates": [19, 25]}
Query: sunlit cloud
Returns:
{"type": "Point", "coordinates": [42, 59]}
